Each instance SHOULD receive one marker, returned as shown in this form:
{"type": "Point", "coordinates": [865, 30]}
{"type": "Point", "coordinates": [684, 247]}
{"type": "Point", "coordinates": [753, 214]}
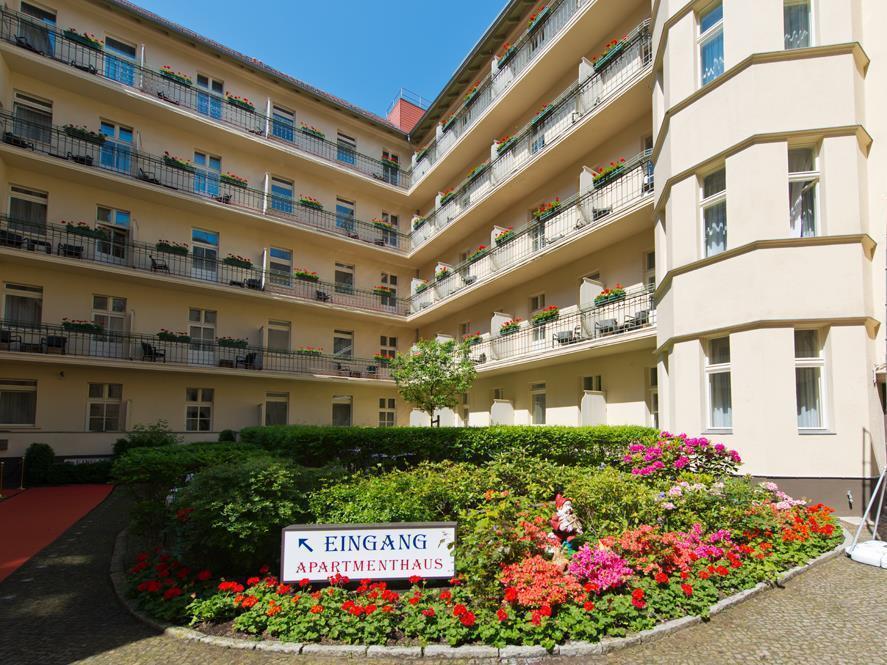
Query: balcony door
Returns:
{"type": "Point", "coordinates": [208, 169]}
{"type": "Point", "coordinates": [205, 255]}
{"type": "Point", "coordinates": [33, 118]}
{"type": "Point", "coordinates": [116, 153]}
{"type": "Point", "coordinates": [115, 224]}
{"type": "Point", "coordinates": [37, 29]}
{"type": "Point", "coordinates": [210, 93]}
{"type": "Point", "coordinates": [202, 330]}
{"type": "Point", "coordinates": [27, 209]}
{"type": "Point", "coordinates": [120, 59]}
{"type": "Point", "coordinates": [110, 313]}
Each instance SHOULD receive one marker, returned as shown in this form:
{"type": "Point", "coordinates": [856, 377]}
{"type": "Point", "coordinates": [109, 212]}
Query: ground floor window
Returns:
{"type": "Point", "coordinates": [537, 403]}
{"type": "Point", "coordinates": [342, 410]}
{"type": "Point", "coordinates": [198, 409]}
{"type": "Point", "coordinates": [276, 408]}
{"type": "Point", "coordinates": [18, 402]}
{"type": "Point", "coordinates": [653, 396]}
{"type": "Point", "coordinates": [720, 400]}
{"type": "Point", "coordinates": [809, 375]}
{"type": "Point", "coordinates": [387, 412]}
{"type": "Point", "coordinates": [105, 407]}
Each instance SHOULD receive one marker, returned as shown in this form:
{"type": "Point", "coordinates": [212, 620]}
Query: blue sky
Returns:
{"type": "Point", "coordinates": [360, 50]}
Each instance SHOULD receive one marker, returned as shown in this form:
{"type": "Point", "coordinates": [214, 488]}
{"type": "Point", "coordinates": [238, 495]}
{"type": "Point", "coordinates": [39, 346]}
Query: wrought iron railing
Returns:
{"type": "Point", "coordinates": [611, 194]}
{"type": "Point", "coordinates": [630, 313]}
{"type": "Point", "coordinates": [121, 159]}
{"type": "Point", "coordinates": [97, 245]}
{"type": "Point", "coordinates": [76, 51]}
{"type": "Point", "coordinates": [552, 122]}
{"type": "Point", "coordinates": [62, 340]}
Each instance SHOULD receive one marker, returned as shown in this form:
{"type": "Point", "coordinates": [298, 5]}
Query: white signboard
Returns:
{"type": "Point", "coordinates": [397, 550]}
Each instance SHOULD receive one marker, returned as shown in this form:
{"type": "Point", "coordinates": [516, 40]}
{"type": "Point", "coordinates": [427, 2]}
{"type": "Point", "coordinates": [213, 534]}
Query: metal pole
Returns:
{"type": "Point", "coordinates": [2, 466]}
{"type": "Point", "coordinates": [21, 484]}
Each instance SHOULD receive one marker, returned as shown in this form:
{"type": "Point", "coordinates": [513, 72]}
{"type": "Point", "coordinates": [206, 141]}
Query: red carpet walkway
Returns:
{"type": "Point", "coordinates": [34, 518]}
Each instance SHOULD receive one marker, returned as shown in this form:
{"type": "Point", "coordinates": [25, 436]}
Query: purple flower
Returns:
{"type": "Point", "coordinates": [681, 462]}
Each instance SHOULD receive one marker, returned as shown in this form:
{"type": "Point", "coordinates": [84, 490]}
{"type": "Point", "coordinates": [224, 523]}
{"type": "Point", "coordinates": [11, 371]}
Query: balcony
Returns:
{"type": "Point", "coordinates": [66, 48]}
{"type": "Point", "coordinates": [165, 173]}
{"type": "Point", "coordinates": [86, 245]}
{"type": "Point", "coordinates": [575, 329]}
{"type": "Point", "coordinates": [609, 197]}
{"type": "Point", "coordinates": [541, 133]}
{"type": "Point", "coordinates": [61, 343]}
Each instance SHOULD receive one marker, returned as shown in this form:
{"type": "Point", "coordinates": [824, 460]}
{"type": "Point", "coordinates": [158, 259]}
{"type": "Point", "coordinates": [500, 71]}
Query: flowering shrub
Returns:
{"type": "Point", "coordinates": [536, 582]}
{"type": "Point", "coordinates": [670, 454]}
{"type": "Point", "coordinates": [601, 567]}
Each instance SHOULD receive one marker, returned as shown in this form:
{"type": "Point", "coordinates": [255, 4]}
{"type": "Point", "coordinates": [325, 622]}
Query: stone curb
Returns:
{"type": "Point", "coordinates": [473, 652]}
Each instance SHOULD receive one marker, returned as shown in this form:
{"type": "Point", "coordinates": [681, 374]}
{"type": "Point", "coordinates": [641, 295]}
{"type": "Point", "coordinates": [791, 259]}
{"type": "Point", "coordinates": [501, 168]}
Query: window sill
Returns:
{"type": "Point", "coordinates": [19, 428]}
{"type": "Point", "coordinates": [809, 432]}
{"type": "Point", "coordinates": [718, 431]}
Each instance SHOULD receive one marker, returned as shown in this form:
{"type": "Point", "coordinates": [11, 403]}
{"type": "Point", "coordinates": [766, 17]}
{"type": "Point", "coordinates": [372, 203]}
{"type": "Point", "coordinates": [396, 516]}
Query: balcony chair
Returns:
{"type": "Point", "coordinates": [25, 43]}
{"type": "Point", "coordinates": [605, 327]}
{"type": "Point", "coordinates": [69, 251]}
{"type": "Point", "coordinates": [43, 245]}
{"type": "Point", "coordinates": [253, 283]}
{"type": "Point", "coordinates": [84, 67]}
{"type": "Point", "coordinates": [372, 371]}
{"type": "Point", "coordinates": [158, 265]}
{"type": "Point", "coordinates": [7, 339]}
{"type": "Point", "coordinates": [223, 198]}
{"type": "Point", "coordinates": [17, 141]}
{"type": "Point", "coordinates": [85, 160]}
{"type": "Point", "coordinates": [567, 336]}
{"type": "Point", "coordinates": [148, 177]}
{"type": "Point", "coordinates": [639, 320]}
{"type": "Point", "coordinates": [11, 239]}
{"type": "Point", "coordinates": [469, 279]}
{"type": "Point", "coordinates": [54, 344]}
{"type": "Point", "coordinates": [248, 361]}
{"type": "Point", "coordinates": [322, 296]}
{"type": "Point", "coordinates": [162, 95]}
{"type": "Point", "coordinates": [151, 353]}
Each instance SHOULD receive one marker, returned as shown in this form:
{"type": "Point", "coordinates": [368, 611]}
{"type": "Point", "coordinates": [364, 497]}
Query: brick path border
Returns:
{"type": "Point", "coordinates": [480, 653]}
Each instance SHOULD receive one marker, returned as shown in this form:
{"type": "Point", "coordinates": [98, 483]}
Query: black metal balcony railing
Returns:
{"type": "Point", "coordinates": [57, 340]}
{"type": "Point", "coordinates": [82, 244]}
{"type": "Point", "coordinates": [67, 48]}
{"type": "Point", "coordinates": [123, 160]}
{"type": "Point", "coordinates": [634, 311]}
{"type": "Point", "coordinates": [550, 124]}
{"type": "Point", "coordinates": [611, 194]}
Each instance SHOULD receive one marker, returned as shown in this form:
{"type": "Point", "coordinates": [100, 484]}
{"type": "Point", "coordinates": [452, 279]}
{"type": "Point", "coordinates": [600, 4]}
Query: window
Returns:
{"type": "Point", "coordinates": [209, 96]}
{"type": "Point", "coordinates": [650, 270]}
{"type": "Point", "coordinates": [498, 393]}
{"type": "Point", "coordinates": [342, 410]}
{"type": "Point", "coordinates": [390, 168]}
{"type": "Point", "coordinates": [115, 223]}
{"type": "Point", "coordinates": [283, 123]}
{"type": "Point", "coordinates": [105, 407]}
{"type": "Point", "coordinates": [120, 60]}
{"type": "Point", "coordinates": [18, 402]}
{"type": "Point", "coordinates": [23, 305]}
{"type": "Point", "coordinates": [201, 327]}
{"type": "Point", "coordinates": [537, 404]}
{"type": "Point", "coordinates": [38, 37]}
{"type": "Point", "coordinates": [387, 412]}
{"type": "Point", "coordinates": [803, 178]}
{"type": "Point", "coordinates": [389, 237]}
{"type": "Point", "coordinates": [389, 298]}
{"type": "Point", "coordinates": [346, 148]}
{"type": "Point", "coordinates": [281, 195]}
{"type": "Point", "coordinates": [204, 254]}
{"type": "Point", "coordinates": [465, 410]}
{"type": "Point", "coordinates": [276, 408]}
{"type": "Point", "coordinates": [344, 278]}
{"type": "Point", "coordinates": [809, 371]}
{"type": "Point", "coordinates": [207, 170]}
{"type": "Point", "coordinates": [711, 42]}
{"type": "Point", "coordinates": [33, 117]}
{"type": "Point", "coordinates": [537, 302]}
{"type": "Point", "coordinates": [464, 329]}
{"type": "Point", "coordinates": [110, 313]}
{"type": "Point", "coordinates": [653, 396]}
{"type": "Point", "coordinates": [714, 212]}
{"type": "Point", "coordinates": [719, 394]}
{"type": "Point", "coordinates": [198, 409]}
{"type": "Point", "coordinates": [280, 264]}
{"type": "Point", "coordinates": [796, 23]}
{"type": "Point", "coordinates": [116, 151]}
{"type": "Point", "coordinates": [345, 216]}
{"type": "Point", "coordinates": [279, 336]}
{"type": "Point", "coordinates": [27, 209]}
{"type": "Point", "coordinates": [387, 346]}
{"type": "Point", "coordinates": [594, 383]}
{"type": "Point", "coordinates": [343, 343]}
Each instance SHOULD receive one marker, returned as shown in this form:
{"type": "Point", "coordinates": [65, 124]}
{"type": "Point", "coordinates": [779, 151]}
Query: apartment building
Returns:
{"type": "Point", "coordinates": [188, 234]}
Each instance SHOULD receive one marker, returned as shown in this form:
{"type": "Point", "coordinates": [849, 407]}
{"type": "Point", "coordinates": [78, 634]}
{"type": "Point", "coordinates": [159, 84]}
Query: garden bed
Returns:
{"type": "Point", "coordinates": [658, 533]}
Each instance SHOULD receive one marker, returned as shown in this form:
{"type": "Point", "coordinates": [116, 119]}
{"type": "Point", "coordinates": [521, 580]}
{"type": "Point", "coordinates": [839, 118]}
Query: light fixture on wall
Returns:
{"type": "Point", "coordinates": [62, 374]}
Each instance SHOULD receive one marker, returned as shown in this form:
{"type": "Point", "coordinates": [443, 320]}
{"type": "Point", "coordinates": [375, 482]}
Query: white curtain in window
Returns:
{"type": "Point", "coordinates": [713, 58]}
{"type": "Point", "coordinates": [802, 208]}
{"type": "Point", "coordinates": [797, 24]}
{"type": "Point", "coordinates": [721, 400]}
{"type": "Point", "coordinates": [715, 228]}
{"type": "Point", "coordinates": [18, 407]}
{"type": "Point", "coordinates": [807, 385]}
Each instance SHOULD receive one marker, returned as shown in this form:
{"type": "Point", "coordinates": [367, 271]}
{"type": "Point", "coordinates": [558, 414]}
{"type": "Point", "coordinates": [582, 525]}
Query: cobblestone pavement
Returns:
{"type": "Point", "coordinates": [60, 608]}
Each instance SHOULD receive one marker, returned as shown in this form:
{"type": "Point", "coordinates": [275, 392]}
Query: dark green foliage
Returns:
{"type": "Point", "coordinates": [227, 435]}
{"type": "Point", "coordinates": [39, 458]}
{"type": "Point", "coordinates": [90, 472]}
{"type": "Point", "coordinates": [147, 436]}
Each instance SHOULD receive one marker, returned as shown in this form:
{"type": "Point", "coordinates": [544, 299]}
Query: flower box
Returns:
{"type": "Point", "coordinates": [84, 39]}
{"type": "Point", "coordinates": [178, 77]}
{"type": "Point", "coordinates": [478, 253]}
{"type": "Point", "coordinates": [241, 103]}
{"type": "Point", "coordinates": [232, 343]}
{"type": "Point", "coordinates": [421, 287]}
{"type": "Point", "coordinates": [310, 202]}
{"type": "Point", "coordinates": [509, 53]}
{"type": "Point", "coordinates": [449, 122]}
{"type": "Point", "coordinates": [382, 360]}
{"type": "Point", "coordinates": [505, 143]}
{"type": "Point", "coordinates": [233, 179]}
{"type": "Point", "coordinates": [542, 114]}
{"type": "Point", "coordinates": [383, 290]}
{"type": "Point", "coordinates": [83, 229]}
{"type": "Point", "coordinates": [470, 96]}
{"type": "Point", "coordinates": [613, 50]}
{"type": "Point", "coordinates": [476, 171]}
{"type": "Point", "coordinates": [419, 223]}
{"type": "Point", "coordinates": [472, 338]}
{"type": "Point", "coordinates": [305, 275]}
{"type": "Point", "coordinates": [171, 247]}
{"type": "Point", "coordinates": [609, 295]}
{"type": "Point", "coordinates": [550, 313]}
{"type": "Point", "coordinates": [308, 351]}
{"type": "Point", "coordinates": [82, 327]}
{"type": "Point", "coordinates": [546, 210]}
{"type": "Point", "coordinates": [176, 163]}
{"type": "Point", "coordinates": [447, 196]}
{"type": "Point", "coordinates": [537, 19]}
{"type": "Point", "coordinates": [84, 134]}
{"type": "Point", "coordinates": [423, 153]}
{"type": "Point", "coordinates": [441, 274]}
{"type": "Point", "coordinates": [312, 131]}
{"type": "Point", "coordinates": [608, 173]}
{"type": "Point", "coordinates": [384, 226]}
{"type": "Point", "coordinates": [390, 163]}
{"type": "Point", "coordinates": [170, 336]}
{"type": "Point", "coordinates": [237, 262]}
{"type": "Point", "coordinates": [509, 327]}
{"type": "Point", "coordinates": [504, 236]}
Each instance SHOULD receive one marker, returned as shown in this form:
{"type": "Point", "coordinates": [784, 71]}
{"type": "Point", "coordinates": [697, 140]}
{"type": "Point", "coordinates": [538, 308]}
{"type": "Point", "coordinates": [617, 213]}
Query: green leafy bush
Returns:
{"type": "Point", "coordinates": [227, 435]}
{"type": "Point", "coordinates": [39, 458]}
{"type": "Point", "coordinates": [147, 436]}
{"type": "Point", "coordinates": [88, 472]}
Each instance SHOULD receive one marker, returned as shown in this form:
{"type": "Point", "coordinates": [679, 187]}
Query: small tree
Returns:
{"type": "Point", "coordinates": [434, 374]}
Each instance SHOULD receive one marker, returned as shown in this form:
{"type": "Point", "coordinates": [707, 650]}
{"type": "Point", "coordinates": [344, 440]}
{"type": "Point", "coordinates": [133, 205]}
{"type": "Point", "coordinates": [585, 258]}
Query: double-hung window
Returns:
{"type": "Point", "coordinates": [809, 378]}
{"type": "Point", "coordinates": [33, 118]}
{"type": "Point", "coordinates": [796, 24]}
{"type": "Point", "coordinates": [27, 209]}
{"type": "Point", "coordinates": [109, 312]}
{"type": "Point", "coordinates": [18, 402]}
{"type": "Point", "coordinates": [346, 148]}
{"type": "Point", "coordinates": [210, 96]}
{"type": "Point", "coordinates": [717, 370]}
{"type": "Point", "coordinates": [280, 265]}
{"type": "Point", "coordinates": [803, 178]}
{"type": "Point", "coordinates": [276, 408]}
{"type": "Point", "coordinates": [714, 212]}
{"type": "Point", "coordinates": [105, 407]}
{"type": "Point", "coordinates": [204, 254]}
{"type": "Point", "coordinates": [711, 42]}
{"type": "Point", "coordinates": [202, 327]}
{"type": "Point", "coordinates": [387, 412]}
{"type": "Point", "coordinates": [198, 409]}
{"type": "Point", "coordinates": [208, 168]}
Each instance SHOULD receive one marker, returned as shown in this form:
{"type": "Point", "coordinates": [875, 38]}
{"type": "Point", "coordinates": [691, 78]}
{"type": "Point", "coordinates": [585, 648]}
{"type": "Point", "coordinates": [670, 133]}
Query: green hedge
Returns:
{"type": "Point", "coordinates": [87, 472]}
{"type": "Point", "coordinates": [364, 447]}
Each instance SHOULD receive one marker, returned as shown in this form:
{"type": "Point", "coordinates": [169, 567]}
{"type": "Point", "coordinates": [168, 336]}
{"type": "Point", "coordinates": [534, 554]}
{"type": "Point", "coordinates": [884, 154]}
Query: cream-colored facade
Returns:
{"type": "Point", "coordinates": [190, 235]}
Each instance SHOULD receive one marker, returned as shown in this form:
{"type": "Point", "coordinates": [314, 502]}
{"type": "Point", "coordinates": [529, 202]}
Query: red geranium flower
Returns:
{"type": "Point", "coordinates": [304, 582]}
{"type": "Point", "coordinates": [413, 600]}
{"type": "Point", "coordinates": [661, 578]}
{"type": "Point", "coordinates": [283, 589]}
{"type": "Point", "coordinates": [459, 609]}
{"type": "Point", "coordinates": [263, 570]}
{"type": "Point", "coordinates": [501, 614]}
{"type": "Point", "coordinates": [687, 589]}
{"type": "Point", "coordinates": [588, 606]}
{"type": "Point", "coordinates": [467, 619]}
{"type": "Point", "coordinates": [171, 593]}
{"type": "Point", "coordinates": [510, 594]}
{"type": "Point", "coordinates": [369, 609]}
{"type": "Point", "coordinates": [204, 575]}
{"type": "Point", "coordinates": [415, 579]}
{"type": "Point", "coordinates": [429, 612]}
{"type": "Point", "coordinates": [249, 601]}
{"type": "Point", "coordinates": [316, 609]}
{"type": "Point", "coordinates": [252, 581]}
{"type": "Point", "coordinates": [445, 595]}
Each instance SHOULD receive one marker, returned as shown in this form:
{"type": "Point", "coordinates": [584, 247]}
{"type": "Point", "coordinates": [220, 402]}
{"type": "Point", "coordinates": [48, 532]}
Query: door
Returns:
{"type": "Point", "coordinates": [205, 254]}
{"type": "Point", "coordinates": [37, 29]}
{"type": "Point", "coordinates": [115, 223]}
{"type": "Point", "coordinates": [120, 59]}
{"type": "Point", "coordinates": [110, 313]}
{"type": "Point", "coordinates": [33, 118]}
{"type": "Point", "coordinates": [208, 168]}
{"type": "Point", "coordinates": [209, 96]}
{"type": "Point", "coordinates": [202, 330]}
{"type": "Point", "coordinates": [116, 154]}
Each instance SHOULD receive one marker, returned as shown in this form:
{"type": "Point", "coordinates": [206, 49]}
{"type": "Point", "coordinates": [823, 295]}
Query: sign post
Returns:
{"type": "Point", "coordinates": [392, 551]}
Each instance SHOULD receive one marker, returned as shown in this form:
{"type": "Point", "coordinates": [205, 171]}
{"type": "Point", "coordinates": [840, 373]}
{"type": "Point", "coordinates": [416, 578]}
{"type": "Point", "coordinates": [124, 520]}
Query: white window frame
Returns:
{"type": "Point", "coordinates": [387, 412]}
{"type": "Point", "coordinates": [199, 402]}
{"type": "Point", "coordinates": [650, 271]}
{"type": "Point", "coordinates": [596, 381]}
{"type": "Point", "coordinates": [280, 326]}
{"type": "Point", "coordinates": [538, 388]}
{"type": "Point", "coordinates": [705, 203]}
{"type": "Point", "coordinates": [811, 22]}
{"type": "Point", "coordinates": [703, 38]}
{"type": "Point", "coordinates": [653, 396]}
{"type": "Point", "coordinates": [807, 176]}
{"type": "Point", "coordinates": [104, 315]}
{"type": "Point", "coordinates": [712, 369]}
{"type": "Point", "coordinates": [203, 324]}
{"type": "Point", "coordinates": [20, 386]}
{"type": "Point", "coordinates": [277, 398]}
{"type": "Point", "coordinates": [817, 362]}
{"type": "Point", "coordinates": [104, 401]}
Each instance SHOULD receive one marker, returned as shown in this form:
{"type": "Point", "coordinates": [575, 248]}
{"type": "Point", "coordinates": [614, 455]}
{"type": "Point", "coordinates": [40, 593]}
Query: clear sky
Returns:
{"type": "Point", "coordinates": [360, 50]}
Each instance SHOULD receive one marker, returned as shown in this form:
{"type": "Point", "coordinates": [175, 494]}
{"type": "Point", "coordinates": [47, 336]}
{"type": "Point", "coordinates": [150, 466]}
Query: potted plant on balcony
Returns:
{"type": "Point", "coordinates": [237, 261]}
{"type": "Point", "coordinates": [448, 122]}
{"type": "Point", "coordinates": [309, 351]}
{"type": "Point", "coordinates": [546, 315]}
{"type": "Point", "coordinates": [419, 222]}
{"type": "Point", "coordinates": [472, 338]}
{"type": "Point", "coordinates": [421, 286]}
{"type": "Point", "coordinates": [443, 273]}
{"type": "Point", "coordinates": [504, 236]}
{"type": "Point", "coordinates": [504, 143]}
{"type": "Point", "coordinates": [510, 327]}
{"type": "Point", "coordinates": [231, 343]}
{"type": "Point", "coordinates": [233, 179]}
{"type": "Point", "coordinates": [609, 295]}
{"type": "Point", "coordinates": [240, 102]}
{"type": "Point", "coordinates": [476, 171]}
{"type": "Point", "coordinates": [479, 252]}
{"type": "Point", "coordinates": [86, 39]}
{"type": "Point", "coordinates": [606, 174]}
{"type": "Point", "coordinates": [169, 336]}
{"type": "Point", "coordinates": [74, 325]}
{"type": "Point", "coordinates": [310, 202]}
{"type": "Point", "coordinates": [383, 361]}
{"type": "Point", "coordinates": [423, 153]}
{"type": "Point", "coordinates": [610, 53]}
{"type": "Point", "coordinates": [446, 196]}
{"type": "Point", "coordinates": [84, 134]}
{"type": "Point", "coordinates": [508, 52]}
{"type": "Point", "coordinates": [177, 162]}
{"type": "Point", "coordinates": [390, 161]}
{"type": "Point", "coordinates": [171, 247]}
{"type": "Point", "coordinates": [167, 72]}
{"type": "Point", "coordinates": [312, 131]}
{"type": "Point", "coordinates": [85, 230]}
{"type": "Point", "coordinates": [382, 290]}
{"type": "Point", "coordinates": [541, 114]}
{"type": "Point", "coordinates": [305, 275]}
{"type": "Point", "coordinates": [537, 18]}
{"type": "Point", "coordinates": [546, 210]}
{"type": "Point", "coordinates": [470, 95]}
{"type": "Point", "coordinates": [382, 225]}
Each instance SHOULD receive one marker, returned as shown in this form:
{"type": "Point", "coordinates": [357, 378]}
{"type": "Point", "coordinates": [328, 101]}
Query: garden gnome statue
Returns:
{"type": "Point", "coordinates": [564, 523]}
